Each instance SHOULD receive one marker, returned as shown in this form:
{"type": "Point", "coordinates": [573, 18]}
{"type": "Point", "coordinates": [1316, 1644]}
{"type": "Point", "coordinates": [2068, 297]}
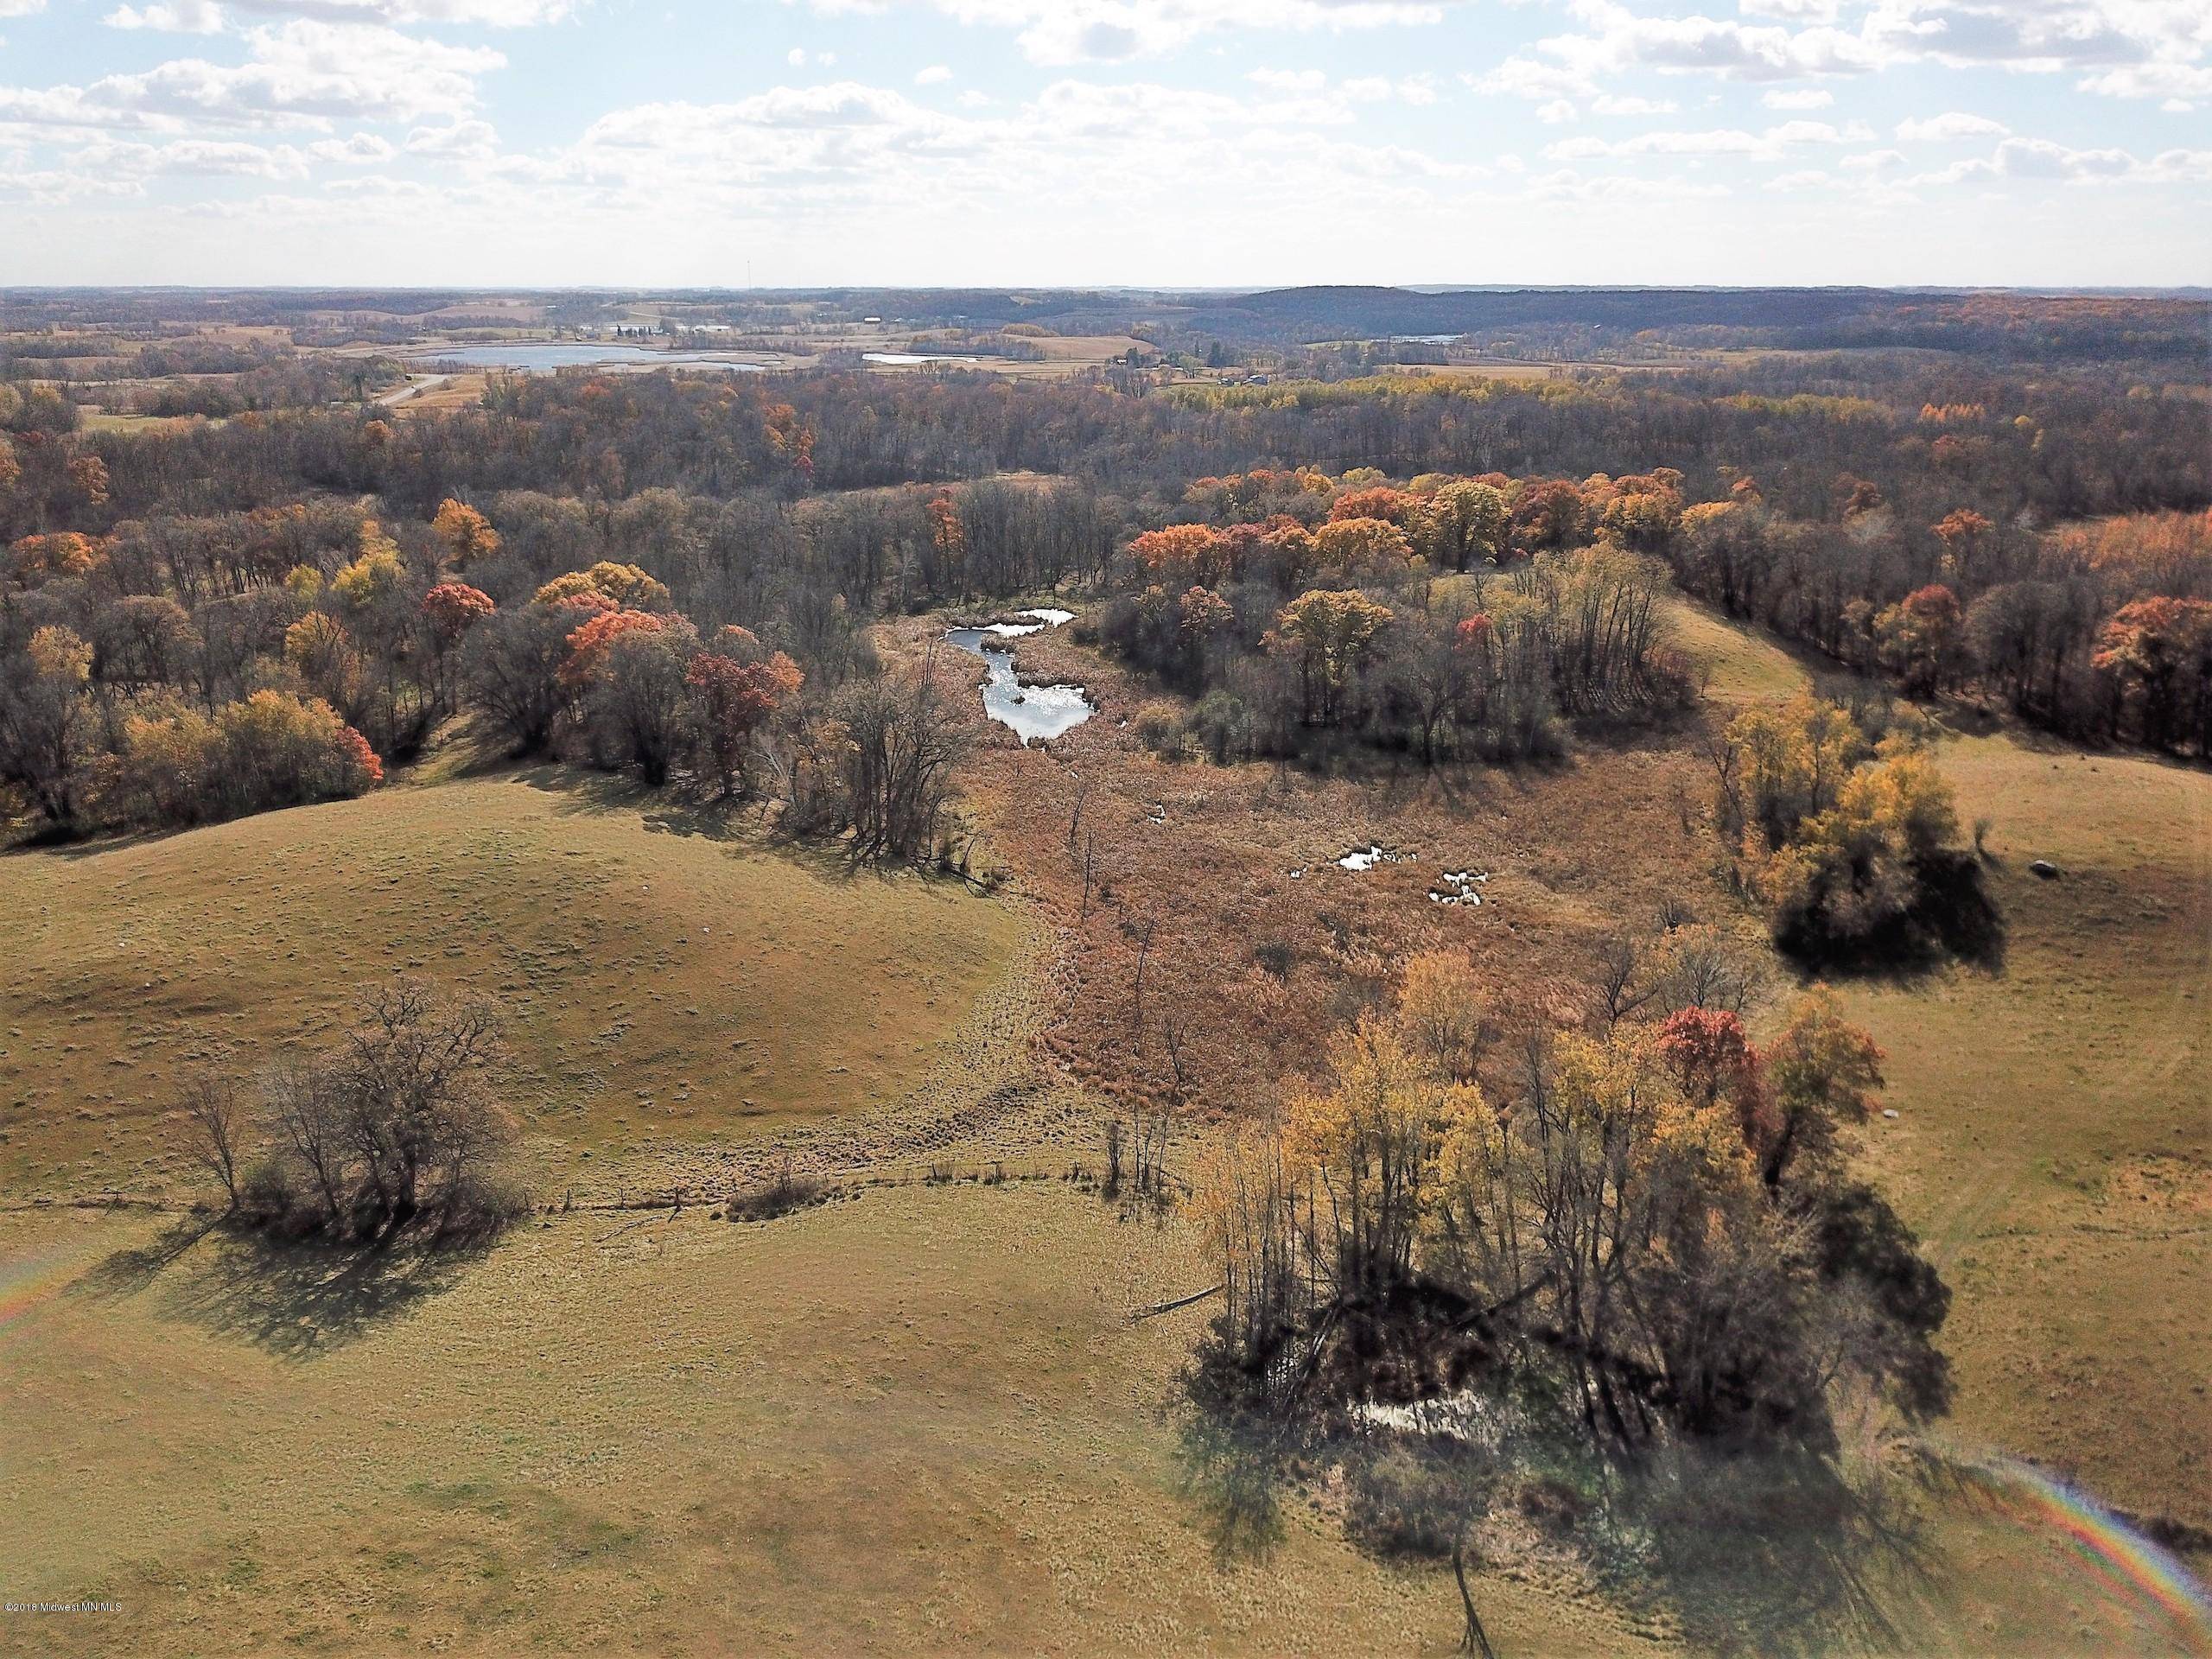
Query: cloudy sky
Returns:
{"type": "Point", "coordinates": [1142, 142]}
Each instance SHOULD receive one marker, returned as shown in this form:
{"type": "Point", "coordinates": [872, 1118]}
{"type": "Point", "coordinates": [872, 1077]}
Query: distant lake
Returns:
{"type": "Point", "coordinates": [914, 357]}
{"type": "Point", "coordinates": [541, 355]}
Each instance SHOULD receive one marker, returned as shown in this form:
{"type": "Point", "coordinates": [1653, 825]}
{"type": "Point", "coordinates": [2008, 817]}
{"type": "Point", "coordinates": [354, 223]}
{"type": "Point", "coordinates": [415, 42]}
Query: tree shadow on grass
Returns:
{"type": "Point", "coordinates": [296, 1301]}
{"type": "Point", "coordinates": [125, 1273]}
{"type": "Point", "coordinates": [674, 809]}
{"type": "Point", "coordinates": [1953, 919]}
{"type": "Point", "coordinates": [1234, 1473]}
{"type": "Point", "coordinates": [1778, 1553]}
{"type": "Point", "coordinates": [741, 825]}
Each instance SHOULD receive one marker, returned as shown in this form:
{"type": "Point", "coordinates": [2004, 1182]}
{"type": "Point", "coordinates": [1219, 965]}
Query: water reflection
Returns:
{"type": "Point", "coordinates": [1033, 713]}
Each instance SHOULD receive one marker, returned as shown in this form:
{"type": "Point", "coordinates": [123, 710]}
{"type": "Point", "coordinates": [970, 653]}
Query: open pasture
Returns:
{"type": "Point", "coordinates": [658, 981]}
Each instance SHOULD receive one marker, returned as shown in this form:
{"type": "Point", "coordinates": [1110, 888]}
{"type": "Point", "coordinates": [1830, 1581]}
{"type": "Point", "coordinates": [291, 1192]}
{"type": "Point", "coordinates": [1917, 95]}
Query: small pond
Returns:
{"type": "Point", "coordinates": [907, 359]}
{"type": "Point", "coordinates": [1033, 713]}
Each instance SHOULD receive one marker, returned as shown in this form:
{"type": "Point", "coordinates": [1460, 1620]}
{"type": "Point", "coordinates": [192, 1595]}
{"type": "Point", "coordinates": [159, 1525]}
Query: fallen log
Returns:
{"type": "Point", "coordinates": [1158, 1308]}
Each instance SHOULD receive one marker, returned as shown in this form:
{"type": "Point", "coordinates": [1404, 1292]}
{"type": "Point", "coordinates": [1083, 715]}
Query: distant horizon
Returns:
{"type": "Point", "coordinates": [2142, 290]}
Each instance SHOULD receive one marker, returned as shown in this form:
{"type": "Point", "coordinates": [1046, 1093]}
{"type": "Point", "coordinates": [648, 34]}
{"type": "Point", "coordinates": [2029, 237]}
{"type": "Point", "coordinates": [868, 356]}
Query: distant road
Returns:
{"type": "Point", "coordinates": [409, 388]}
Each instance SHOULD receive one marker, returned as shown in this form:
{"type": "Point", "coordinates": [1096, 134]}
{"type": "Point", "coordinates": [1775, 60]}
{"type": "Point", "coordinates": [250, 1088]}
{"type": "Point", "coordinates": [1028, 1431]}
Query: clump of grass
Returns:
{"type": "Point", "coordinates": [779, 1195]}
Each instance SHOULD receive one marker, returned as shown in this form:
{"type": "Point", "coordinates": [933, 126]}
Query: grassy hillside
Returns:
{"type": "Point", "coordinates": [916, 1422]}
{"type": "Point", "coordinates": [920, 1421]}
{"type": "Point", "coordinates": [2054, 1142]}
{"type": "Point", "coordinates": [662, 983]}
{"type": "Point", "coordinates": [2054, 1137]}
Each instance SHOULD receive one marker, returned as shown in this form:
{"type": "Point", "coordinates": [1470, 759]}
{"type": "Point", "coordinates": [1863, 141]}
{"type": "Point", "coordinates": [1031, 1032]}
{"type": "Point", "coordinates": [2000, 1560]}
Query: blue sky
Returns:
{"type": "Point", "coordinates": [1140, 142]}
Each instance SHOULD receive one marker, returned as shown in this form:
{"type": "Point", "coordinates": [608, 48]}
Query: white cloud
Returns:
{"type": "Point", "coordinates": [1568, 185]}
{"type": "Point", "coordinates": [1086, 31]}
{"type": "Point", "coordinates": [1608, 103]}
{"type": "Point", "coordinates": [300, 73]}
{"type": "Point", "coordinates": [2040, 159]}
{"type": "Point", "coordinates": [1288, 80]}
{"type": "Point", "coordinates": [1618, 39]}
{"type": "Point", "coordinates": [21, 8]}
{"type": "Point", "coordinates": [1557, 112]}
{"type": "Point", "coordinates": [1524, 77]}
{"type": "Point", "coordinates": [176, 18]}
{"type": "Point", "coordinates": [1950, 127]}
{"type": "Point", "coordinates": [489, 14]}
{"type": "Point", "coordinates": [849, 149]}
{"type": "Point", "coordinates": [193, 158]}
{"type": "Point", "coordinates": [2182, 83]}
{"type": "Point", "coordinates": [2135, 49]}
{"type": "Point", "coordinates": [1770, 145]}
{"type": "Point", "coordinates": [465, 140]}
{"type": "Point", "coordinates": [1798, 98]}
{"type": "Point", "coordinates": [362, 149]}
{"type": "Point", "coordinates": [57, 186]}
{"type": "Point", "coordinates": [935, 74]}
{"type": "Point", "coordinates": [2044, 36]}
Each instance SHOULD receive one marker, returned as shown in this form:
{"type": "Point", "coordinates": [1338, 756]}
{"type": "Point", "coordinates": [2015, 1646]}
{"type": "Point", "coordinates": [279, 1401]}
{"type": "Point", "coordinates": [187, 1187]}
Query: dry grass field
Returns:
{"type": "Point", "coordinates": [915, 1421]}
{"type": "Point", "coordinates": [665, 980]}
{"type": "Point", "coordinates": [1064, 354]}
{"type": "Point", "coordinates": [918, 1418]}
{"type": "Point", "coordinates": [2054, 1137]}
{"type": "Point", "coordinates": [424, 394]}
{"type": "Point", "coordinates": [2054, 1142]}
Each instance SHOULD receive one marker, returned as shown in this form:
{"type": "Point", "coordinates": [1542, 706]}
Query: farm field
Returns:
{"type": "Point", "coordinates": [661, 983]}
{"type": "Point", "coordinates": [916, 1421]}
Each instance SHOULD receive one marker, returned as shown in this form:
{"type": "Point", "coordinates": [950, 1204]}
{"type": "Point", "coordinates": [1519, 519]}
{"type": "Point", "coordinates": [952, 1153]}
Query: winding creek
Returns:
{"type": "Point", "coordinates": [1033, 713]}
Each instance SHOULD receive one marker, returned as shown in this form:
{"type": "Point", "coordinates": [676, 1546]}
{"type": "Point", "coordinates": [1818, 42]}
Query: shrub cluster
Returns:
{"type": "Point", "coordinates": [1840, 828]}
{"type": "Point", "coordinates": [399, 1122]}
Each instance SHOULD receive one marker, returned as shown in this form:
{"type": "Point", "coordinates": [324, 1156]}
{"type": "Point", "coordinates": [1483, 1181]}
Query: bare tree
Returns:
{"type": "Point", "coordinates": [305, 1104]}
{"type": "Point", "coordinates": [1144, 949]}
{"type": "Point", "coordinates": [401, 1117]}
{"type": "Point", "coordinates": [1474, 1638]}
{"type": "Point", "coordinates": [1075, 811]}
{"type": "Point", "coordinates": [1706, 968]}
{"type": "Point", "coordinates": [901, 742]}
{"type": "Point", "coordinates": [420, 1117]}
{"type": "Point", "coordinates": [1619, 989]}
{"type": "Point", "coordinates": [220, 1126]}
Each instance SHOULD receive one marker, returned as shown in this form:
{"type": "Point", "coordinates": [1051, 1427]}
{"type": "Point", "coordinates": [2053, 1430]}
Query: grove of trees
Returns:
{"type": "Point", "coordinates": [1448, 567]}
